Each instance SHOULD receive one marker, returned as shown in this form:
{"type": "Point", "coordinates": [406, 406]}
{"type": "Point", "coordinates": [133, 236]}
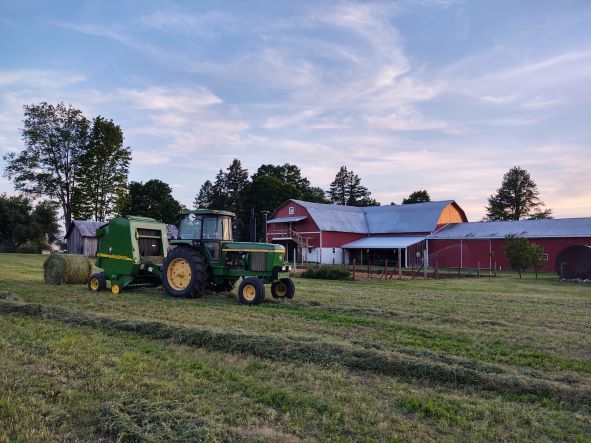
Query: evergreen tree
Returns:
{"type": "Point", "coordinates": [205, 198]}
{"type": "Point", "coordinates": [236, 181]}
{"type": "Point", "coordinates": [346, 189]}
{"type": "Point", "coordinates": [516, 199]}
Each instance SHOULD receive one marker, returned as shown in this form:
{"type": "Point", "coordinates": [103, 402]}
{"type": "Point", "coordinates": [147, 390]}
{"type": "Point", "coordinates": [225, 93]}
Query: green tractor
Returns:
{"type": "Point", "coordinates": [133, 251]}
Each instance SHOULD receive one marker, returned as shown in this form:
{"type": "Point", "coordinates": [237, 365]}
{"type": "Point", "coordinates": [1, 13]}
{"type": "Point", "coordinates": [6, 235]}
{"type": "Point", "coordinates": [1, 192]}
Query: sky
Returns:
{"type": "Point", "coordinates": [440, 95]}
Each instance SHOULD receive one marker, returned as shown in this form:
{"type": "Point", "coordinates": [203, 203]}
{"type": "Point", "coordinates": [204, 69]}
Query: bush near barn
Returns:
{"type": "Point", "coordinates": [382, 360]}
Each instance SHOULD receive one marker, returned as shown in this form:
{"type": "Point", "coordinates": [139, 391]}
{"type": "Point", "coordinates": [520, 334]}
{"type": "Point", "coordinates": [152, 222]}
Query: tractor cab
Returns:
{"type": "Point", "coordinates": [207, 227]}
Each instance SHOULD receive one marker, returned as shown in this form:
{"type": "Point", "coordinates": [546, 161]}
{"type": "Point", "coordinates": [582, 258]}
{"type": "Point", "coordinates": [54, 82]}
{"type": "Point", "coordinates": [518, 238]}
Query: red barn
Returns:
{"type": "Point", "coordinates": [481, 244]}
{"type": "Point", "coordinates": [327, 233]}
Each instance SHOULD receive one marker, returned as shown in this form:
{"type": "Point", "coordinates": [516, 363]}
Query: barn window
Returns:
{"type": "Point", "coordinates": [545, 257]}
{"type": "Point", "coordinates": [291, 210]}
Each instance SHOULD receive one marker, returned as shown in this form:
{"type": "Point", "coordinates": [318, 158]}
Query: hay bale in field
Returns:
{"type": "Point", "coordinates": [66, 269]}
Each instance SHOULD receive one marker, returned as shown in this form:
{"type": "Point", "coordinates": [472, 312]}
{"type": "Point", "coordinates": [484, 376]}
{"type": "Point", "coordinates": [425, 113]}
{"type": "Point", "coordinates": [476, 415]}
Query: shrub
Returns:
{"type": "Point", "coordinates": [326, 273]}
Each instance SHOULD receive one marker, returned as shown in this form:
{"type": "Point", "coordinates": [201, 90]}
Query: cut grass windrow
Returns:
{"type": "Point", "coordinates": [316, 352]}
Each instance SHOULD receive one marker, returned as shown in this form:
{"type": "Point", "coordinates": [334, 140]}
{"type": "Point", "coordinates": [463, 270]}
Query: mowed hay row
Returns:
{"type": "Point", "coordinates": [68, 269]}
{"type": "Point", "coordinates": [322, 353]}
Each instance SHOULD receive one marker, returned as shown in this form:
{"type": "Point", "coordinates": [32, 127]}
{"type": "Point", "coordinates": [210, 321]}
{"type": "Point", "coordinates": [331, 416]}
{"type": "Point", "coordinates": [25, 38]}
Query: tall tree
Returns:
{"type": "Point", "coordinates": [205, 198]}
{"type": "Point", "coordinates": [55, 139]}
{"type": "Point", "coordinates": [346, 189]}
{"type": "Point", "coordinates": [417, 197]}
{"type": "Point", "coordinates": [102, 177]}
{"type": "Point", "coordinates": [518, 198]}
{"type": "Point", "coordinates": [236, 183]}
{"type": "Point", "coordinates": [152, 199]}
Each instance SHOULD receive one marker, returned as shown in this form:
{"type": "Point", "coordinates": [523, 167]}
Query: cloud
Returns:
{"type": "Point", "coordinates": [39, 78]}
{"type": "Point", "coordinates": [407, 118]}
{"type": "Point", "coordinates": [163, 99]}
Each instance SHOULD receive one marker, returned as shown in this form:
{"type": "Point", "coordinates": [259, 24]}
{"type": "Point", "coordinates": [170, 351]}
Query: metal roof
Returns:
{"type": "Point", "coordinates": [87, 228]}
{"type": "Point", "coordinates": [336, 217]}
{"type": "Point", "coordinates": [560, 227]}
{"type": "Point", "coordinates": [287, 219]}
{"type": "Point", "coordinates": [417, 217]}
{"type": "Point", "coordinates": [383, 242]}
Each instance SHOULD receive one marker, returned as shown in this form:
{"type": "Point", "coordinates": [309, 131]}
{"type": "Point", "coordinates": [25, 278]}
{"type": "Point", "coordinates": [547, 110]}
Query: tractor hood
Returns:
{"type": "Point", "coordinates": [252, 247]}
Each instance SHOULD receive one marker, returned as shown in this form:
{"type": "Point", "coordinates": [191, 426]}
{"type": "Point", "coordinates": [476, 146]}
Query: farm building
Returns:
{"type": "Point", "coordinates": [81, 237]}
{"type": "Point", "coordinates": [481, 244]}
{"type": "Point", "coordinates": [335, 234]}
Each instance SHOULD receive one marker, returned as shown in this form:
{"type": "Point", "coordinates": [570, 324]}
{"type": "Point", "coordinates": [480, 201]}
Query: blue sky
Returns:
{"type": "Point", "coordinates": [412, 94]}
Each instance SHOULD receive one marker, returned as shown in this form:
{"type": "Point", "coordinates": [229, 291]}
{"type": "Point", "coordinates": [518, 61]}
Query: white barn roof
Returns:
{"type": "Point", "coordinates": [551, 228]}
{"type": "Point", "coordinates": [383, 242]}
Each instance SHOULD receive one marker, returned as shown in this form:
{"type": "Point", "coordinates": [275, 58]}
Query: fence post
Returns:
{"type": "Point", "coordinates": [354, 266]}
{"type": "Point", "coordinates": [385, 273]}
{"type": "Point", "coordinates": [495, 274]}
{"type": "Point", "coordinates": [368, 268]}
{"type": "Point", "coordinates": [399, 264]}
{"type": "Point", "coordinates": [478, 268]}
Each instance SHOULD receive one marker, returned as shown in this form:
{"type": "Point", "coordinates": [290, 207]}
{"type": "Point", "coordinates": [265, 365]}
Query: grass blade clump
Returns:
{"type": "Point", "coordinates": [326, 273]}
{"type": "Point", "coordinates": [60, 269]}
{"type": "Point", "coordinates": [135, 420]}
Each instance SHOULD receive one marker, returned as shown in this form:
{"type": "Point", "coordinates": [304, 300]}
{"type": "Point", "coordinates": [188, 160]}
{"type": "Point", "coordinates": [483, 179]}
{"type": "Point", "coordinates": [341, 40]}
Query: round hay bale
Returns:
{"type": "Point", "coordinates": [66, 269]}
{"type": "Point", "coordinates": [574, 262]}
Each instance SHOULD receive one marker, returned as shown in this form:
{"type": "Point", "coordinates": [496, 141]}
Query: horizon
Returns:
{"type": "Point", "coordinates": [441, 95]}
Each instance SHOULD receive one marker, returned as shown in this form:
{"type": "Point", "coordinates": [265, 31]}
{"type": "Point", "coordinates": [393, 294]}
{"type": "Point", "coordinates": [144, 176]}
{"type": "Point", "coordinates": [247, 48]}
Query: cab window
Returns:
{"type": "Point", "coordinates": [190, 228]}
{"type": "Point", "coordinates": [212, 228]}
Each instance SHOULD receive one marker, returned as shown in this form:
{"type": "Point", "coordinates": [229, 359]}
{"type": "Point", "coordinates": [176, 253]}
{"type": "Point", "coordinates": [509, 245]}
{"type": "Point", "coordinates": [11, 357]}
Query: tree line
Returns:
{"type": "Point", "coordinates": [81, 165]}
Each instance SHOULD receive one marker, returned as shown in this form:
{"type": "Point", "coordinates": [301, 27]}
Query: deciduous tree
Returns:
{"type": "Point", "coordinates": [56, 137]}
{"type": "Point", "coordinates": [152, 199]}
{"type": "Point", "coordinates": [417, 197]}
{"type": "Point", "coordinates": [103, 172]}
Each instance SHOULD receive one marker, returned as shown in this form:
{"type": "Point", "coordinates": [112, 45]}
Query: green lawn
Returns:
{"type": "Point", "coordinates": [457, 359]}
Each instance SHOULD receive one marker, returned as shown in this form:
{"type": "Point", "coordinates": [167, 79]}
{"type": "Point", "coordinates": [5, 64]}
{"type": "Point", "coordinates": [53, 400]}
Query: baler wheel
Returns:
{"type": "Point", "coordinates": [284, 288]}
{"type": "Point", "coordinates": [97, 282]}
{"type": "Point", "coordinates": [184, 273]}
{"type": "Point", "coordinates": [251, 291]}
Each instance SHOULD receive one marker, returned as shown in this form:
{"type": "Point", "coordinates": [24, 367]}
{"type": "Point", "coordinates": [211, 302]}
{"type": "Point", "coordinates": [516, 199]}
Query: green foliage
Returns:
{"type": "Point", "coordinates": [152, 199]}
{"type": "Point", "coordinates": [271, 185]}
{"type": "Point", "coordinates": [326, 273]}
{"type": "Point", "coordinates": [346, 189]}
{"type": "Point", "coordinates": [523, 255]}
{"type": "Point", "coordinates": [102, 176]}
{"type": "Point", "coordinates": [417, 197]}
{"type": "Point", "coordinates": [56, 138]}
{"type": "Point", "coordinates": [517, 198]}
{"type": "Point", "coordinates": [24, 228]}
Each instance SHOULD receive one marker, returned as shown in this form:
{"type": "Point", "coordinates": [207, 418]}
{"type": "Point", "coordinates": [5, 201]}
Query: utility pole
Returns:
{"type": "Point", "coordinates": [265, 214]}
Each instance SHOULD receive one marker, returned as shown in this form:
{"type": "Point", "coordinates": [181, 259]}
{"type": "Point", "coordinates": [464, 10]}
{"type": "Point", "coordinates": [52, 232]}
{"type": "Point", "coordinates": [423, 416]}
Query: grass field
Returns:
{"type": "Point", "coordinates": [457, 359]}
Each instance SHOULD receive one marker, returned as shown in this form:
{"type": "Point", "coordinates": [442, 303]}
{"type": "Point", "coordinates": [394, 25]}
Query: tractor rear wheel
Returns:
{"type": "Point", "coordinates": [284, 288]}
{"type": "Point", "coordinates": [97, 282]}
{"type": "Point", "coordinates": [251, 291]}
{"type": "Point", "coordinates": [184, 273]}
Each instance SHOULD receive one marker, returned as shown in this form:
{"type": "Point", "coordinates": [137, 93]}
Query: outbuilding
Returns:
{"type": "Point", "coordinates": [81, 237]}
{"type": "Point", "coordinates": [481, 244]}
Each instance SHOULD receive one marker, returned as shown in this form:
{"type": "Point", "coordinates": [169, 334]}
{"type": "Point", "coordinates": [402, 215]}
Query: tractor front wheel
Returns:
{"type": "Point", "coordinates": [97, 282]}
{"type": "Point", "coordinates": [184, 273]}
{"type": "Point", "coordinates": [251, 291]}
{"type": "Point", "coordinates": [284, 288]}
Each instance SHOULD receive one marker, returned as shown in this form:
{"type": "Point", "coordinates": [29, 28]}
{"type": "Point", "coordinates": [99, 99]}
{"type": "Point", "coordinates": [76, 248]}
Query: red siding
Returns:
{"type": "Point", "coordinates": [307, 228]}
{"type": "Point", "coordinates": [332, 239]}
{"type": "Point", "coordinates": [467, 253]}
